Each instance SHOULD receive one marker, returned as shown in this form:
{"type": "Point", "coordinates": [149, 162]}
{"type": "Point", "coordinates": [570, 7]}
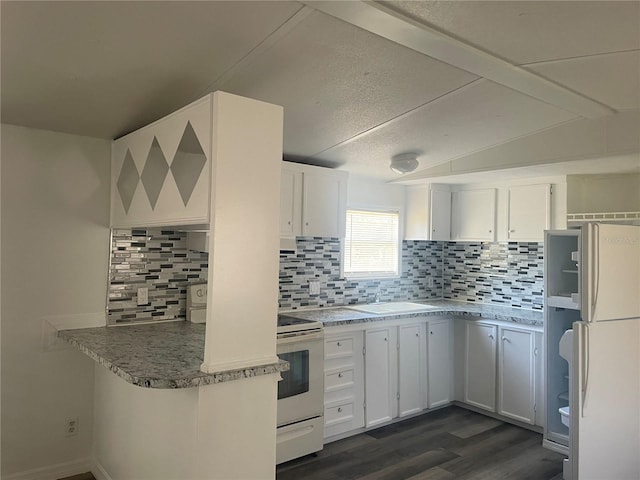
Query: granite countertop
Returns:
{"type": "Point", "coordinates": [161, 355]}
{"type": "Point", "coordinates": [336, 316]}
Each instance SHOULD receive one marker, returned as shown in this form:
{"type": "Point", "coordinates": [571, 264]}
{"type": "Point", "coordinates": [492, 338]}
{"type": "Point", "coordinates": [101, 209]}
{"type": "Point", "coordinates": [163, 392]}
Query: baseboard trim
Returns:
{"type": "Point", "coordinates": [99, 472]}
{"type": "Point", "coordinates": [54, 472]}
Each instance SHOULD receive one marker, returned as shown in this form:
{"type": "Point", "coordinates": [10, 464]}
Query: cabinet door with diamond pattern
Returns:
{"type": "Point", "coordinates": [160, 174]}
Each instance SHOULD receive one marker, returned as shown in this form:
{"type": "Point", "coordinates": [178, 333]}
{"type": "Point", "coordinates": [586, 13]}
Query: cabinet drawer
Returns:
{"type": "Point", "coordinates": [339, 379]}
{"type": "Point", "coordinates": [339, 347]}
{"type": "Point", "coordinates": [338, 414]}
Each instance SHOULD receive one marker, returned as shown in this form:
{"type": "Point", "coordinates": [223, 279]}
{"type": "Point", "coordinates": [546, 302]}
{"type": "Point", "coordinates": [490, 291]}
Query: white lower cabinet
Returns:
{"type": "Point", "coordinates": [395, 372]}
{"type": "Point", "coordinates": [343, 382]}
{"type": "Point", "coordinates": [439, 363]}
{"type": "Point", "coordinates": [411, 369]}
{"type": "Point", "coordinates": [398, 369]}
{"type": "Point", "coordinates": [501, 370]}
{"type": "Point", "coordinates": [516, 371]}
{"type": "Point", "coordinates": [480, 365]}
{"type": "Point", "coordinates": [381, 378]}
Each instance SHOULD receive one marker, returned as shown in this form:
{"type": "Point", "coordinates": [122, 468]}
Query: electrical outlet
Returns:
{"type": "Point", "coordinates": [71, 426]}
{"type": "Point", "coordinates": [314, 288]}
{"type": "Point", "coordinates": [143, 296]}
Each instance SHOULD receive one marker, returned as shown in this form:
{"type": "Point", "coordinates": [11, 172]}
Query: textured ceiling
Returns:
{"type": "Point", "coordinates": [360, 82]}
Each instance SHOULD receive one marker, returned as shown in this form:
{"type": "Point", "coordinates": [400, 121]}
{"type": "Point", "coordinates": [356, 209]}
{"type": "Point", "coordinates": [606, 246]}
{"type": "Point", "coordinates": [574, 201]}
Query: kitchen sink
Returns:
{"type": "Point", "coordinates": [392, 307]}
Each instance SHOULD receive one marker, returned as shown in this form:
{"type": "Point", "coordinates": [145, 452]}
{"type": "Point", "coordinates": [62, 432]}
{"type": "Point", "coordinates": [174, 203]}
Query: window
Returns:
{"type": "Point", "coordinates": [371, 245]}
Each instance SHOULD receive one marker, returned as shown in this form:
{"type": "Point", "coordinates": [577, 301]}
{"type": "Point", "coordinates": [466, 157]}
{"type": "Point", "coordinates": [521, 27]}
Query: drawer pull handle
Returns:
{"type": "Point", "coordinates": [505, 339]}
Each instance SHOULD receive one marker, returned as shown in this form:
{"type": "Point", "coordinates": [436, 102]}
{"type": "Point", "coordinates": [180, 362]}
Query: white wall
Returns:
{"type": "Point", "coordinates": [365, 192]}
{"type": "Point", "coordinates": [55, 247]}
{"type": "Point", "coordinates": [603, 193]}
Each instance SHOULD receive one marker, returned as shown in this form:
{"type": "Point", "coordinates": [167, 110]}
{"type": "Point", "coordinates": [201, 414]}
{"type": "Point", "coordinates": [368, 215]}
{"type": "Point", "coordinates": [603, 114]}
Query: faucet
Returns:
{"type": "Point", "coordinates": [377, 296]}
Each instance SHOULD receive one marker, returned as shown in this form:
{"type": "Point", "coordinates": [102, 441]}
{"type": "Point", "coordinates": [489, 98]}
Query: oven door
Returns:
{"type": "Point", "coordinates": [301, 390]}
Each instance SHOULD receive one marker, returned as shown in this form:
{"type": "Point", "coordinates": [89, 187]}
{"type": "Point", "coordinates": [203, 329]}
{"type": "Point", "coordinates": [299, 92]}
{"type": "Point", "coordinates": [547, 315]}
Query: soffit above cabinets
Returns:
{"type": "Point", "coordinates": [353, 93]}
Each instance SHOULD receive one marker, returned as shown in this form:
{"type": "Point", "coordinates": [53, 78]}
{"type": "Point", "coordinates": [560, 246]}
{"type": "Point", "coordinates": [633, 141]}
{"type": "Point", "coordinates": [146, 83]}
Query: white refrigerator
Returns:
{"type": "Point", "coordinates": [604, 364]}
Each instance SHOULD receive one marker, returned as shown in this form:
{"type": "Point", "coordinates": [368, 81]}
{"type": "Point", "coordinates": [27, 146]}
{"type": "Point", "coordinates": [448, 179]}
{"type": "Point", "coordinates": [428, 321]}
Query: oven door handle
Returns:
{"type": "Point", "coordinates": [300, 338]}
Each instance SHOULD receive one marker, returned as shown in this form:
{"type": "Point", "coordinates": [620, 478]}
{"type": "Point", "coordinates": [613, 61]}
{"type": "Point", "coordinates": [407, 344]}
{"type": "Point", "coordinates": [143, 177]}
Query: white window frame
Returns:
{"type": "Point", "coordinates": [374, 275]}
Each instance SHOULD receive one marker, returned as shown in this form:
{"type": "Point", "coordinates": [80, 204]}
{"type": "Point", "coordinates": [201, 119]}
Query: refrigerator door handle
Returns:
{"type": "Point", "coordinates": [584, 346]}
{"type": "Point", "coordinates": [595, 281]}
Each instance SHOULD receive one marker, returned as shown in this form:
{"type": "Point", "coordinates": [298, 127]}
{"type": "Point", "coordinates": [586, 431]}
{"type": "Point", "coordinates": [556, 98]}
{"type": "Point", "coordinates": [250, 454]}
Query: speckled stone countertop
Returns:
{"type": "Point", "coordinates": [336, 316]}
{"type": "Point", "coordinates": [161, 355]}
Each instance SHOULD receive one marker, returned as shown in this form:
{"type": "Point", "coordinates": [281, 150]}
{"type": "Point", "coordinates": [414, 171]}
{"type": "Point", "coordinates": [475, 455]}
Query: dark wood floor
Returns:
{"type": "Point", "coordinates": [452, 443]}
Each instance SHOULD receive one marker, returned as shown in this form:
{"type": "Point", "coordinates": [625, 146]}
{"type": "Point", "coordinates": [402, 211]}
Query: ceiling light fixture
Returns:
{"type": "Point", "coordinates": [404, 163]}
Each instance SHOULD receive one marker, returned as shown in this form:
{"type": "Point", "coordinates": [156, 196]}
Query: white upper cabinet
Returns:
{"type": "Point", "coordinates": [313, 201]}
{"type": "Point", "coordinates": [324, 203]}
{"type": "Point", "coordinates": [440, 214]}
{"type": "Point", "coordinates": [161, 174]}
{"type": "Point", "coordinates": [473, 216]}
{"type": "Point", "coordinates": [428, 213]}
{"type": "Point", "coordinates": [529, 212]}
{"type": "Point", "coordinates": [290, 203]}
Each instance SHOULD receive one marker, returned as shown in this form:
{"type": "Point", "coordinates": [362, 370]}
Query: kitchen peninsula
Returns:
{"type": "Point", "coordinates": [165, 355]}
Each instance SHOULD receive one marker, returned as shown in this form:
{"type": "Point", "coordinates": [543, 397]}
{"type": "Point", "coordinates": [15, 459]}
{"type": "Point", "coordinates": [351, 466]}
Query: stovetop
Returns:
{"type": "Point", "coordinates": [289, 324]}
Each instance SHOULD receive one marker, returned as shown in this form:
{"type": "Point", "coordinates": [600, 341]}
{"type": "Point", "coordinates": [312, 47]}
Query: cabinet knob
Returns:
{"type": "Point", "coordinates": [306, 224]}
{"type": "Point", "coordinates": [417, 334]}
{"type": "Point", "coordinates": [339, 409]}
{"type": "Point", "coordinates": [490, 335]}
{"type": "Point", "coordinates": [385, 339]}
{"type": "Point", "coordinates": [430, 333]}
{"type": "Point", "coordinates": [511, 231]}
{"type": "Point", "coordinates": [289, 222]}
{"type": "Point", "coordinates": [490, 231]}
{"type": "Point", "coordinates": [340, 375]}
{"type": "Point", "coordinates": [505, 339]}
{"type": "Point", "coordinates": [338, 344]}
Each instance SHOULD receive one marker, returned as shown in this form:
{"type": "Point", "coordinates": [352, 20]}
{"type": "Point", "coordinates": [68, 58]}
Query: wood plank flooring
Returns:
{"type": "Point", "coordinates": [452, 443]}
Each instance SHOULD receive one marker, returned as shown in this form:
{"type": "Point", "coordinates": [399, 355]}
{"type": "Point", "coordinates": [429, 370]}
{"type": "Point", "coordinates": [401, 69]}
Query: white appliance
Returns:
{"type": "Point", "coordinates": [301, 391]}
{"type": "Point", "coordinates": [596, 294]}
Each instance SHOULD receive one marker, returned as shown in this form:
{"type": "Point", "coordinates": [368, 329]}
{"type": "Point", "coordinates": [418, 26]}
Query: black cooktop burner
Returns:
{"type": "Point", "coordinates": [284, 321]}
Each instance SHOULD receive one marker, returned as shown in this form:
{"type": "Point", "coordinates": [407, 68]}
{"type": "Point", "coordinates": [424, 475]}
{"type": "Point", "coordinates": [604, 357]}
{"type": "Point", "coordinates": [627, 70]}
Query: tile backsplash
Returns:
{"type": "Point", "coordinates": [159, 260]}
{"type": "Point", "coordinates": [318, 259]}
{"type": "Point", "coordinates": [501, 273]}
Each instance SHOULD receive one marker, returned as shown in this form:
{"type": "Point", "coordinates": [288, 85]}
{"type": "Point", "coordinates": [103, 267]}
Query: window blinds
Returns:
{"type": "Point", "coordinates": [371, 244]}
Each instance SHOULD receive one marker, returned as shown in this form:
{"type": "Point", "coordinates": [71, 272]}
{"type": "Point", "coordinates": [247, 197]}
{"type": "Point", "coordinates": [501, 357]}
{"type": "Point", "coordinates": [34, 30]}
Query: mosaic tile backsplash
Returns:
{"type": "Point", "coordinates": [159, 260]}
{"type": "Point", "coordinates": [318, 259]}
{"type": "Point", "coordinates": [508, 274]}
